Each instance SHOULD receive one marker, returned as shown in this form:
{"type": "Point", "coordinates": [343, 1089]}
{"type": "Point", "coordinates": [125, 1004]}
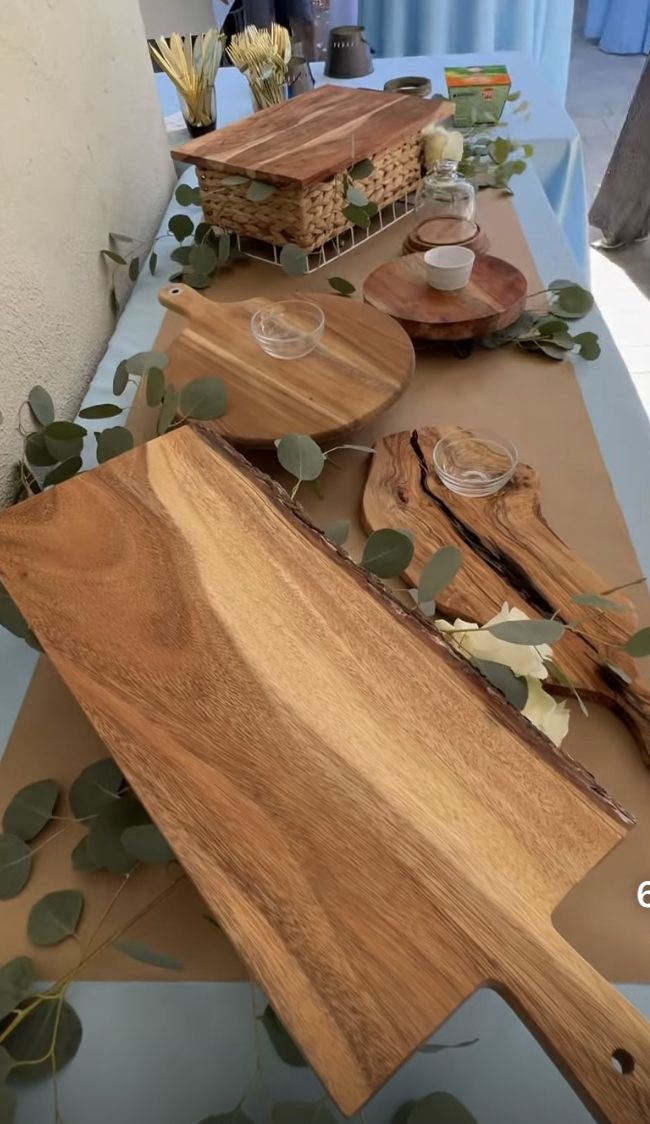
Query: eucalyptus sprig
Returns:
{"type": "Point", "coordinates": [549, 331]}
{"type": "Point", "coordinates": [492, 161]}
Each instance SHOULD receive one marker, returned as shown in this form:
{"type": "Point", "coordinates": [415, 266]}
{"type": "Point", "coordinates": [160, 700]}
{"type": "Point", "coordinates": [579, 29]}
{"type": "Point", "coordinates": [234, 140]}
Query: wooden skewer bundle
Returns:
{"type": "Point", "coordinates": [192, 69]}
{"type": "Point", "coordinates": [263, 54]}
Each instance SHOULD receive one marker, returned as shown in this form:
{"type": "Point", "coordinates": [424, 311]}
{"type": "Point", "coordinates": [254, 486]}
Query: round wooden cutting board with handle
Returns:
{"type": "Point", "coordinates": [363, 362]}
{"type": "Point", "coordinates": [494, 298]}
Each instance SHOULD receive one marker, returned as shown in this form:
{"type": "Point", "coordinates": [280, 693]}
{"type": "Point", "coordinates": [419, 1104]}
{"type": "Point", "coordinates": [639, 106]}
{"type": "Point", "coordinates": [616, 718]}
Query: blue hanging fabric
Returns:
{"type": "Point", "coordinates": [540, 28]}
{"type": "Point", "coordinates": [621, 26]}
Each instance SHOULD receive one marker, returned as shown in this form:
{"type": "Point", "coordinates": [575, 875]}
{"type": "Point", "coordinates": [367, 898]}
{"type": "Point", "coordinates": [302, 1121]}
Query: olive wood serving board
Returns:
{"type": "Point", "coordinates": [314, 136]}
{"type": "Point", "coordinates": [494, 298]}
{"type": "Point", "coordinates": [509, 554]}
{"type": "Point", "coordinates": [377, 831]}
{"type": "Point", "coordinates": [363, 362]}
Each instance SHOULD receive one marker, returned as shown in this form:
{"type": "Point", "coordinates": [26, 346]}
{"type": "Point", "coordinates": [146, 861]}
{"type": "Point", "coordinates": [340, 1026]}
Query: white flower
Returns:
{"type": "Point", "coordinates": [550, 717]}
{"type": "Point", "coordinates": [442, 144]}
{"type": "Point", "coordinates": [521, 659]}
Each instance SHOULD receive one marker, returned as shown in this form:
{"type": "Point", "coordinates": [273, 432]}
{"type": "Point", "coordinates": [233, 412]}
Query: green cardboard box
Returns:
{"type": "Point", "coordinates": [479, 93]}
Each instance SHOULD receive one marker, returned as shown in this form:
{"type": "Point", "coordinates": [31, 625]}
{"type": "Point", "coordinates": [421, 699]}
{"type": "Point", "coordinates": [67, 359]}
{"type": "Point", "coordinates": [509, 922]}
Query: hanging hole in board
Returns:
{"type": "Point", "coordinates": [175, 292]}
{"type": "Point", "coordinates": [622, 1061]}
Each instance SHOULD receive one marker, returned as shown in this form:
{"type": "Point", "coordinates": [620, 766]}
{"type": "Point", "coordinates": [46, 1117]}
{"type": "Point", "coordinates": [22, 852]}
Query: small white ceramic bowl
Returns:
{"type": "Point", "coordinates": [449, 267]}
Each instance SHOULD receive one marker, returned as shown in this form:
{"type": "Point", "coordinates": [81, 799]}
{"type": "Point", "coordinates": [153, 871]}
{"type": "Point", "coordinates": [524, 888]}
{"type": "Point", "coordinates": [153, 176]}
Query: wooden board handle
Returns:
{"type": "Point", "coordinates": [183, 299]}
{"type": "Point", "coordinates": [597, 1039]}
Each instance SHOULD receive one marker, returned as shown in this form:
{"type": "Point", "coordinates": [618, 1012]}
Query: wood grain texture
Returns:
{"type": "Point", "coordinates": [362, 363]}
{"type": "Point", "coordinates": [494, 298]}
{"type": "Point", "coordinates": [312, 137]}
{"type": "Point", "coordinates": [297, 736]}
{"type": "Point", "coordinates": [509, 554]}
{"type": "Point", "coordinates": [446, 232]}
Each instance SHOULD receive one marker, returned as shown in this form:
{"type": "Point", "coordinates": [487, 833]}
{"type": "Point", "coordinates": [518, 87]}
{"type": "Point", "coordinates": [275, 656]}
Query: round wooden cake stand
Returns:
{"type": "Point", "coordinates": [446, 232]}
{"type": "Point", "coordinates": [494, 298]}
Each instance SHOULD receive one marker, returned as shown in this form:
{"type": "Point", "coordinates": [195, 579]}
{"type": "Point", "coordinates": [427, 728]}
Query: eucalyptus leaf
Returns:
{"type": "Point", "coordinates": [571, 298]}
{"type": "Point", "coordinates": [134, 268]}
{"type": "Point", "coordinates": [17, 980]}
{"type": "Point", "coordinates": [619, 676]}
{"type": "Point", "coordinates": [113, 442]}
{"type": "Point", "coordinates": [514, 687]}
{"type": "Point", "coordinates": [36, 451]}
{"type": "Point", "coordinates": [371, 209]}
{"type": "Point", "coordinates": [281, 1040]}
{"type": "Point", "coordinates": [168, 409]}
{"type": "Point", "coordinates": [597, 601]}
{"type": "Point", "coordinates": [552, 327]}
{"type": "Point", "coordinates": [297, 1112]}
{"type": "Point", "coordinates": [356, 196]}
{"type": "Point", "coordinates": [529, 150]}
{"type": "Point", "coordinates": [113, 256]}
{"type": "Point", "coordinates": [301, 456]}
{"type": "Point", "coordinates": [439, 1048]}
{"type": "Point", "coordinates": [181, 226]}
{"type": "Point", "coordinates": [560, 676]}
{"type": "Point", "coordinates": [234, 181]}
{"type": "Point", "coordinates": [55, 917]}
{"type": "Point", "coordinates": [401, 1115]}
{"type": "Point", "coordinates": [185, 195]}
{"type": "Point", "coordinates": [120, 378]}
{"type": "Point", "coordinates": [13, 620]}
{"type": "Point", "coordinates": [146, 955]}
{"type": "Point", "coordinates": [340, 285]}
{"type": "Point", "coordinates": [7, 1103]}
{"type": "Point", "coordinates": [155, 386]}
{"type": "Point", "coordinates": [6, 1063]}
{"type": "Point", "coordinates": [113, 302]}
{"type": "Point", "coordinates": [357, 215]}
{"type": "Point", "coordinates": [223, 248]}
{"type": "Point", "coordinates": [203, 232]}
{"type": "Point", "coordinates": [80, 858]}
{"type": "Point", "coordinates": [202, 258]}
{"type": "Point", "coordinates": [387, 553]}
{"type": "Point", "coordinates": [530, 632]}
{"type": "Point", "coordinates": [153, 263]}
{"type": "Point", "coordinates": [143, 361]}
{"type": "Point", "coordinates": [34, 1037]}
{"type": "Point", "coordinates": [147, 844]}
{"type": "Point", "coordinates": [31, 809]}
{"type": "Point", "coordinates": [105, 410]}
{"type": "Point", "coordinates": [439, 572]}
{"type": "Point", "coordinates": [95, 789]}
{"type": "Point", "coordinates": [338, 531]}
{"type": "Point", "coordinates": [64, 439]}
{"type": "Point", "coordinates": [15, 866]}
{"type": "Point", "coordinates": [514, 95]}
{"type": "Point", "coordinates": [440, 1108]}
{"type": "Point", "coordinates": [551, 349]}
{"type": "Point", "coordinates": [500, 149]}
{"type": "Point", "coordinates": [204, 398]}
{"type": "Point", "coordinates": [182, 254]}
{"type": "Point", "coordinates": [197, 280]}
{"type": "Point", "coordinates": [41, 405]}
{"type": "Point", "coordinates": [259, 191]}
{"type": "Point", "coordinates": [114, 236]}
{"type": "Point", "coordinates": [105, 847]}
{"type": "Point", "coordinates": [361, 170]}
{"type": "Point", "coordinates": [639, 644]}
{"type": "Point", "coordinates": [293, 259]}
{"type": "Point", "coordinates": [588, 344]}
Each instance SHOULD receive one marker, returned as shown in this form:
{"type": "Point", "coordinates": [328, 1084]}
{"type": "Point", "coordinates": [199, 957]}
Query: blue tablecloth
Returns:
{"type": "Point", "coordinates": [621, 26]}
{"type": "Point", "coordinates": [202, 1031]}
{"type": "Point", "coordinates": [558, 152]}
{"type": "Point", "coordinates": [539, 28]}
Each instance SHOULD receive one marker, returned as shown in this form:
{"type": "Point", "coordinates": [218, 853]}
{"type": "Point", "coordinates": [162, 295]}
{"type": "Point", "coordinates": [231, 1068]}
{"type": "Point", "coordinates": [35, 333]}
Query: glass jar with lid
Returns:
{"type": "Point", "coordinates": [445, 194]}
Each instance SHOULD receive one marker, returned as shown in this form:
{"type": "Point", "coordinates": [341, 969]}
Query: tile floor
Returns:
{"type": "Point", "coordinates": [600, 91]}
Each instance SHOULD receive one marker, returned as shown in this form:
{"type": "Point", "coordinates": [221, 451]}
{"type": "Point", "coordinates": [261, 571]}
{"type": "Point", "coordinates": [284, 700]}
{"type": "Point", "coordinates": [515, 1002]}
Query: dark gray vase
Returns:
{"type": "Point", "coordinates": [348, 53]}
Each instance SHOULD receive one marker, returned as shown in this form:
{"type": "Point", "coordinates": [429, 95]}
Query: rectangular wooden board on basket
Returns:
{"type": "Point", "coordinates": [377, 831]}
{"type": "Point", "coordinates": [302, 147]}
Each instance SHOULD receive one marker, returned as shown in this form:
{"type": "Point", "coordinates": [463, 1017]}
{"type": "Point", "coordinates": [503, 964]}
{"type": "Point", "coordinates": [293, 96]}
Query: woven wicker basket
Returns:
{"type": "Point", "coordinates": [308, 216]}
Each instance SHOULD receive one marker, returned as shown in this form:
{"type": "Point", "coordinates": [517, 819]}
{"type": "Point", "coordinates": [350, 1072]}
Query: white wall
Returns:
{"type": "Point", "coordinates": [82, 152]}
{"type": "Point", "coordinates": [161, 17]}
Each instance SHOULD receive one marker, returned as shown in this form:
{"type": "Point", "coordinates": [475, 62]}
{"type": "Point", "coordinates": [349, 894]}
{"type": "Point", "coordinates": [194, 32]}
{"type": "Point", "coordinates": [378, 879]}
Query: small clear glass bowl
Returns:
{"type": "Point", "coordinates": [288, 329]}
{"type": "Point", "coordinates": [475, 464]}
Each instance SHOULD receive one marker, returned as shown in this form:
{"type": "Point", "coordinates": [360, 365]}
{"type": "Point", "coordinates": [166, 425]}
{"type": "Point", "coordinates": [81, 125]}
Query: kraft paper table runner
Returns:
{"type": "Point", "coordinates": [540, 406]}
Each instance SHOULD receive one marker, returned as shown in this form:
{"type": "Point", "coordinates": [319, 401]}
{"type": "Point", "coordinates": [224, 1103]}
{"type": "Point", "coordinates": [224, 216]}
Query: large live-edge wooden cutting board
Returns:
{"type": "Point", "coordinates": [378, 832]}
